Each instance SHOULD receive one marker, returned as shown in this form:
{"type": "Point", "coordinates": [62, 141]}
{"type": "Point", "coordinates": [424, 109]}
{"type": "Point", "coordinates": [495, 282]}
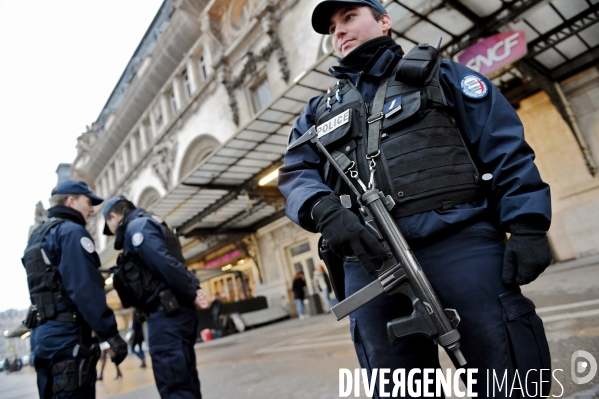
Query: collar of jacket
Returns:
{"type": "Point", "coordinates": [375, 57]}
{"type": "Point", "coordinates": [134, 214]}
{"type": "Point", "coordinates": [67, 213]}
{"type": "Point", "coordinates": [119, 239]}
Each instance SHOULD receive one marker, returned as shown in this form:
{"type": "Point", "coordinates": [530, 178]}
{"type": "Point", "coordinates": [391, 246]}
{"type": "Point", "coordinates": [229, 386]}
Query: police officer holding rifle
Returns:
{"type": "Point", "coordinates": [429, 148]}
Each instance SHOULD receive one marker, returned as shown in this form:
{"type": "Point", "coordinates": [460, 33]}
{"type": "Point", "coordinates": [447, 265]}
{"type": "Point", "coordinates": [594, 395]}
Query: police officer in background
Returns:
{"type": "Point", "coordinates": [171, 315]}
{"type": "Point", "coordinates": [67, 296]}
{"type": "Point", "coordinates": [439, 127]}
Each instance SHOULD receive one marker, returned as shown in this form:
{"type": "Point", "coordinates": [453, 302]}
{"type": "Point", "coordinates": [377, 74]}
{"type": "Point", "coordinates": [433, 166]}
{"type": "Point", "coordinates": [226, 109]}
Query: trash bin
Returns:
{"type": "Point", "coordinates": [315, 304]}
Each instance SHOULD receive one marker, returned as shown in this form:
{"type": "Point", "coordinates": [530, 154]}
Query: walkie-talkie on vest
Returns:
{"type": "Point", "coordinates": [401, 273]}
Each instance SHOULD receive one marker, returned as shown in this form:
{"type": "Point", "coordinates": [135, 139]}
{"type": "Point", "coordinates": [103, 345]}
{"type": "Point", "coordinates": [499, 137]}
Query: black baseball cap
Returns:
{"type": "Point", "coordinates": [321, 16]}
{"type": "Point", "coordinates": [77, 187]}
{"type": "Point", "coordinates": [107, 206]}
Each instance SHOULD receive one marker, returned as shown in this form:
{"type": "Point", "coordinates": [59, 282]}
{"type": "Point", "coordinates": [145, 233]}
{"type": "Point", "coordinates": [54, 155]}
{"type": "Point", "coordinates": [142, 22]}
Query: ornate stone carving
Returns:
{"type": "Point", "coordinates": [251, 247]}
{"type": "Point", "coordinates": [163, 160]}
{"type": "Point", "coordinates": [223, 76]}
{"type": "Point", "coordinates": [250, 66]}
{"type": "Point", "coordinates": [284, 234]}
{"type": "Point", "coordinates": [86, 141]}
{"type": "Point", "coordinates": [268, 25]}
{"type": "Point", "coordinates": [41, 214]}
{"type": "Point", "coordinates": [212, 37]}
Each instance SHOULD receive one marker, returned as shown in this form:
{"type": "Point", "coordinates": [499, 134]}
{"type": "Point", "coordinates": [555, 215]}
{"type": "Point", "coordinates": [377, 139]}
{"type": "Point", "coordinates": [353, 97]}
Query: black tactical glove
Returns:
{"type": "Point", "coordinates": [341, 228]}
{"type": "Point", "coordinates": [119, 346]}
{"type": "Point", "coordinates": [527, 255]}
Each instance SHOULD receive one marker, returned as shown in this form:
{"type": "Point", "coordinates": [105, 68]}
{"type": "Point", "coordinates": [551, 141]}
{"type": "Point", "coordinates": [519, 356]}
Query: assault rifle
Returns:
{"type": "Point", "coordinates": [401, 273]}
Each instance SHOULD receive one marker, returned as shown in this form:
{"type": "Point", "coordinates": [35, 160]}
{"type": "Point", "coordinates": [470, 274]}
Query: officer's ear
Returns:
{"type": "Point", "coordinates": [69, 201]}
{"type": "Point", "coordinates": [117, 217]}
{"type": "Point", "coordinates": [386, 22]}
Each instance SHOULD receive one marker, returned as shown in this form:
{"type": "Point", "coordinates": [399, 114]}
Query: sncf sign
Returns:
{"type": "Point", "coordinates": [494, 52]}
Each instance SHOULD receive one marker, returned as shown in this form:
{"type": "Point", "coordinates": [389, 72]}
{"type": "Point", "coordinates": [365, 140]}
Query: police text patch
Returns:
{"type": "Point", "coordinates": [472, 86]}
{"type": "Point", "coordinates": [87, 244]}
{"type": "Point", "coordinates": [137, 239]}
{"type": "Point", "coordinates": [333, 124]}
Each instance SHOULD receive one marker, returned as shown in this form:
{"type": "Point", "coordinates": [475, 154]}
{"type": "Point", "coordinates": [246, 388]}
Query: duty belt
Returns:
{"type": "Point", "coordinates": [66, 316]}
{"type": "Point", "coordinates": [354, 258]}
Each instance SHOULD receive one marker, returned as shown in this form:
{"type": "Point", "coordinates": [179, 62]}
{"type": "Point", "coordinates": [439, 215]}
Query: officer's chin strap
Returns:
{"type": "Point", "coordinates": [375, 126]}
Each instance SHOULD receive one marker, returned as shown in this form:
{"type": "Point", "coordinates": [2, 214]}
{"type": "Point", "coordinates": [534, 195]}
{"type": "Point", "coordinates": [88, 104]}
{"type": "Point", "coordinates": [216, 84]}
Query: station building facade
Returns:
{"type": "Point", "coordinates": [204, 107]}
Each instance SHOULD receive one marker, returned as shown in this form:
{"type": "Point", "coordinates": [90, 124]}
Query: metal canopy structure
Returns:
{"type": "Point", "coordinates": [221, 201]}
{"type": "Point", "coordinates": [562, 35]}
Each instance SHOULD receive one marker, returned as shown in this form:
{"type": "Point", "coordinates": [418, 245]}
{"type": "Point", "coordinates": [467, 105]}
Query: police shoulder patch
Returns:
{"type": "Point", "coordinates": [473, 86]}
{"type": "Point", "coordinates": [137, 239]}
{"type": "Point", "coordinates": [88, 244]}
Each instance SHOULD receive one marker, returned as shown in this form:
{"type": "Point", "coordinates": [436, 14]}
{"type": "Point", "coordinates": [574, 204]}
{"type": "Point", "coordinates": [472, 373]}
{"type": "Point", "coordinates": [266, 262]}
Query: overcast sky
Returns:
{"type": "Point", "coordinates": [59, 62]}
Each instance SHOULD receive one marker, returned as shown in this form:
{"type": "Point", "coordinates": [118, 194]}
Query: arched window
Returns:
{"type": "Point", "coordinates": [240, 13]}
{"type": "Point", "coordinates": [199, 149]}
{"type": "Point", "coordinates": [148, 197]}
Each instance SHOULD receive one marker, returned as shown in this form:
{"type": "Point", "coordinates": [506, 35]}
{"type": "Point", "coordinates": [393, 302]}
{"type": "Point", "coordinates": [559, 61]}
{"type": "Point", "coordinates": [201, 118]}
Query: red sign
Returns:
{"type": "Point", "coordinates": [223, 259]}
{"type": "Point", "coordinates": [495, 52]}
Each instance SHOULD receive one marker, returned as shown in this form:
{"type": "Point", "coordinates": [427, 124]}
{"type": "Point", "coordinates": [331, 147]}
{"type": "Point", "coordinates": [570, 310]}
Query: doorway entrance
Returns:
{"type": "Point", "coordinates": [302, 260]}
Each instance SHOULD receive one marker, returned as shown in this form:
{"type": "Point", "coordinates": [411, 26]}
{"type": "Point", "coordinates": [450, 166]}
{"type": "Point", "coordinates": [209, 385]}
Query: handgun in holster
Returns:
{"type": "Point", "coordinates": [33, 317]}
{"type": "Point", "coordinates": [169, 301]}
{"type": "Point", "coordinates": [334, 264]}
{"type": "Point", "coordinates": [87, 358]}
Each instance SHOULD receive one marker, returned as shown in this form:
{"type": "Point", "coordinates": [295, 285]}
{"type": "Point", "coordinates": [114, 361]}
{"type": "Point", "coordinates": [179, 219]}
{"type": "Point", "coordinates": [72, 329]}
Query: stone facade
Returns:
{"type": "Point", "coordinates": [191, 86]}
{"type": "Point", "coordinates": [574, 191]}
{"type": "Point", "coordinates": [188, 89]}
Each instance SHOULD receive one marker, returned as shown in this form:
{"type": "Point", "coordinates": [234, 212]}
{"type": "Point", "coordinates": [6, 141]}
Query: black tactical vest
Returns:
{"type": "Point", "coordinates": [423, 163]}
{"type": "Point", "coordinates": [173, 245]}
{"type": "Point", "coordinates": [45, 283]}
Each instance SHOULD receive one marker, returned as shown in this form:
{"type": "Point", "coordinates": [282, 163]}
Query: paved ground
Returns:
{"type": "Point", "coordinates": [567, 299]}
{"type": "Point", "coordinates": [299, 359]}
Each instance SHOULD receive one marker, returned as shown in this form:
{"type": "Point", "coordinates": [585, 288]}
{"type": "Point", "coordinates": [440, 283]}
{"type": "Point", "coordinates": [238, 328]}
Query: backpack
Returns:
{"type": "Point", "coordinates": [134, 283]}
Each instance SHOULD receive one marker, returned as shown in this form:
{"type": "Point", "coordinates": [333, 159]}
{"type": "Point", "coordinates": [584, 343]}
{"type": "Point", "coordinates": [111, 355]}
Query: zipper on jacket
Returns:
{"type": "Point", "coordinates": [358, 79]}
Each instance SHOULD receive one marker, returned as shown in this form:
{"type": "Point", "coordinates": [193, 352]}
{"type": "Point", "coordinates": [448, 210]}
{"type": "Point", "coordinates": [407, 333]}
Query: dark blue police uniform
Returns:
{"type": "Point", "coordinates": [460, 249]}
{"type": "Point", "coordinates": [70, 247]}
{"type": "Point", "coordinates": [171, 337]}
